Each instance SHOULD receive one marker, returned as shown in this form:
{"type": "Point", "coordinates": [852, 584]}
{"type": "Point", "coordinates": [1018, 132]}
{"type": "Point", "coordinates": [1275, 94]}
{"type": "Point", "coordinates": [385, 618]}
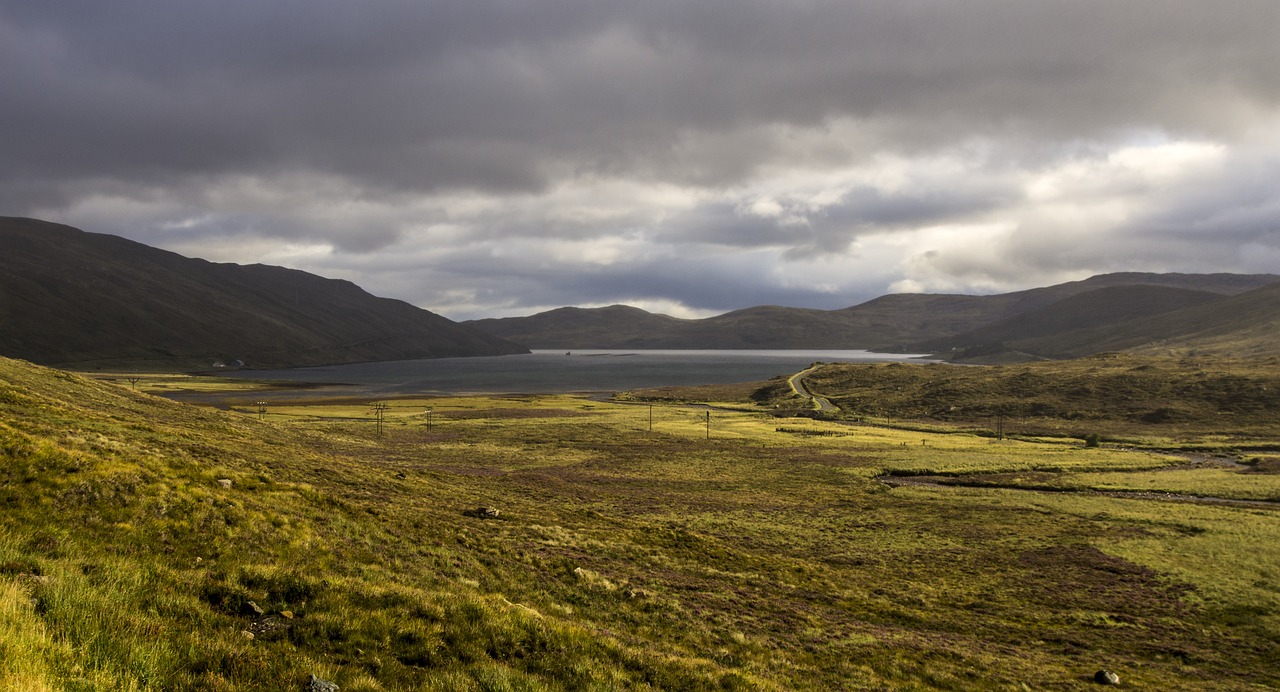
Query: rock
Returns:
{"type": "Point", "coordinates": [315, 684]}
{"type": "Point", "coordinates": [593, 580]}
{"type": "Point", "coordinates": [252, 608]}
{"type": "Point", "coordinates": [286, 614]}
{"type": "Point", "coordinates": [32, 581]}
{"type": "Point", "coordinates": [265, 627]}
{"type": "Point", "coordinates": [247, 634]}
{"type": "Point", "coordinates": [224, 483]}
{"type": "Point", "coordinates": [483, 512]}
{"type": "Point", "coordinates": [1106, 677]}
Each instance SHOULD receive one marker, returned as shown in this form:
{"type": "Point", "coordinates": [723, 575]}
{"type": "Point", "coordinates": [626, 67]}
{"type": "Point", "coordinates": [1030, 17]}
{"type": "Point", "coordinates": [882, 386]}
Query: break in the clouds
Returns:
{"type": "Point", "coordinates": [491, 157]}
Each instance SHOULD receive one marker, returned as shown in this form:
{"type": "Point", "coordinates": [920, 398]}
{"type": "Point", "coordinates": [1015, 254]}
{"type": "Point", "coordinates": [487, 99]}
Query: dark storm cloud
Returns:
{"type": "Point", "coordinates": [742, 126]}
{"type": "Point", "coordinates": [704, 284]}
{"type": "Point", "coordinates": [498, 93]}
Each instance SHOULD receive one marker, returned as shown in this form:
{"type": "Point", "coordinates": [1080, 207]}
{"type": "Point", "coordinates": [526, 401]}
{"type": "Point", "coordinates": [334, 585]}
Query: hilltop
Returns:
{"type": "Point", "coordinates": [72, 298]}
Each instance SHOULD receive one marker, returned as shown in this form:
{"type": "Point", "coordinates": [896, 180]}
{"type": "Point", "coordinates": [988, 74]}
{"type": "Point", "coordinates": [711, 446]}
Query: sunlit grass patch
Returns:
{"type": "Point", "coordinates": [163, 383]}
{"type": "Point", "coordinates": [913, 452]}
{"type": "Point", "coordinates": [1202, 482]}
{"type": "Point", "coordinates": [29, 656]}
{"type": "Point", "coordinates": [1230, 555]}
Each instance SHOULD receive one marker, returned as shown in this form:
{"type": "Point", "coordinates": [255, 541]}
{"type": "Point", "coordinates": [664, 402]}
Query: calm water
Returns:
{"type": "Point", "coordinates": [558, 371]}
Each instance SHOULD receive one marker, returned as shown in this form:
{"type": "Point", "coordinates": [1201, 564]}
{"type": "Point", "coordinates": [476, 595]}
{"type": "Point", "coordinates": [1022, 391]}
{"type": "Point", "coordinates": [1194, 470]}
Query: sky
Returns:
{"type": "Point", "coordinates": [492, 158]}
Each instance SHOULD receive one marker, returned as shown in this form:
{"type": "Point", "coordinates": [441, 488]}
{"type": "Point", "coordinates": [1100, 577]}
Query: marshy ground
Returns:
{"type": "Point", "coordinates": [642, 543]}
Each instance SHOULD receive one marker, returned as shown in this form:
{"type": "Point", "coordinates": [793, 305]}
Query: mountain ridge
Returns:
{"type": "Point", "coordinates": [73, 298]}
{"type": "Point", "coordinates": [77, 299]}
{"type": "Point", "coordinates": [1057, 330]}
{"type": "Point", "coordinates": [925, 323]}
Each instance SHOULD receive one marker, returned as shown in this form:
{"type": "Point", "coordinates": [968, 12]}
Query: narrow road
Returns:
{"type": "Point", "coordinates": [797, 385]}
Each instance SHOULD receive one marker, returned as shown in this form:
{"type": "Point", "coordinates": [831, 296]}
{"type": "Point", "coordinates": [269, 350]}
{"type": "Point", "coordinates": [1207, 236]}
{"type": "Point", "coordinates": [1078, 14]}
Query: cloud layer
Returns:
{"type": "Point", "coordinates": [487, 157]}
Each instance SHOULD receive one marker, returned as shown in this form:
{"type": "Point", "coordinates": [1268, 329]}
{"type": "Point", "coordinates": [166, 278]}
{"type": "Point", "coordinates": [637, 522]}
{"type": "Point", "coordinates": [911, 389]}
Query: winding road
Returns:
{"type": "Point", "coordinates": [796, 382]}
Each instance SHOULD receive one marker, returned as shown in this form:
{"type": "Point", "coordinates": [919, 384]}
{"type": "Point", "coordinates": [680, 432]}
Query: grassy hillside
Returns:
{"type": "Point", "coordinates": [1245, 325]}
{"type": "Point", "coordinates": [632, 549]}
{"type": "Point", "coordinates": [1179, 400]}
{"type": "Point", "coordinates": [1076, 326]}
{"type": "Point", "coordinates": [1145, 320]}
{"type": "Point", "coordinates": [613, 326]}
{"type": "Point", "coordinates": [86, 299]}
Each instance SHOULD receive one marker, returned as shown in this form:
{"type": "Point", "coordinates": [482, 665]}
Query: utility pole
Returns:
{"type": "Point", "coordinates": [262, 409]}
{"type": "Point", "coordinates": [428, 418]}
{"type": "Point", "coordinates": [708, 425]}
{"type": "Point", "coordinates": [650, 417]}
{"type": "Point", "coordinates": [378, 408]}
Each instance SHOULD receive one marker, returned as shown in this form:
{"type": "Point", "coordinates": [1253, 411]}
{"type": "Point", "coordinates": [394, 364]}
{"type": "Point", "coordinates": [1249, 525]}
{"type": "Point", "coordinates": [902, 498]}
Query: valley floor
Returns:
{"type": "Point", "coordinates": [565, 543]}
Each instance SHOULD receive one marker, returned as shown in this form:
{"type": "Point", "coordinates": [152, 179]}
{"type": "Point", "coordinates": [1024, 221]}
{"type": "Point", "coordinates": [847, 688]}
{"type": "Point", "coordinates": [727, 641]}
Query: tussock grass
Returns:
{"type": "Point", "coordinates": [28, 655]}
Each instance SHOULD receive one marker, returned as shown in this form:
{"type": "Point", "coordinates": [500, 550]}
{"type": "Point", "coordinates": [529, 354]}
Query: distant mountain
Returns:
{"type": "Point", "coordinates": [921, 319]}
{"type": "Point", "coordinates": [73, 298]}
{"type": "Point", "coordinates": [618, 325]}
{"type": "Point", "coordinates": [899, 322]}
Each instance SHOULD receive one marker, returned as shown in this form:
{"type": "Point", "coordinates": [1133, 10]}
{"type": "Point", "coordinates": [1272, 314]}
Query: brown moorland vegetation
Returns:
{"type": "Point", "coordinates": [146, 544]}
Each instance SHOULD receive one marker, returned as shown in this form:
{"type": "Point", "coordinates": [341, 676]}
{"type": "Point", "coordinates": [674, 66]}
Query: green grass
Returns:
{"type": "Point", "coordinates": [166, 383]}
{"type": "Point", "coordinates": [1140, 400]}
{"type": "Point", "coordinates": [753, 553]}
{"type": "Point", "coordinates": [1206, 482]}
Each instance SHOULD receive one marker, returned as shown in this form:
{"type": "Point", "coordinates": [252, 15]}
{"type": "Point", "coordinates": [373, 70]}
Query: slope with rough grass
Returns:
{"type": "Point", "coordinates": [1076, 326]}
{"type": "Point", "coordinates": [693, 549]}
{"type": "Point", "coordinates": [127, 565]}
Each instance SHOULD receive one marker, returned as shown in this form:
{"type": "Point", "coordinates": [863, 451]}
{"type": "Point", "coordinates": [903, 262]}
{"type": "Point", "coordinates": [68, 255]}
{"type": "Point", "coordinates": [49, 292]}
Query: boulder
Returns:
{"type": "Point", "coordinates": [315, 684]}
{"type": "Point", "coordinates": [1106, 677]}
{"type": "Point", "coordinates": [483, 512]}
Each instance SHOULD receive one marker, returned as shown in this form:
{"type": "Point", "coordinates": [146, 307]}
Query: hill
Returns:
{"type": "Point", "coordinates": [1075, 326]}
{"type": "Point", "coordinates": [1244, 325]}
{"type": "Point", "coordinates": [80, 299]}
{"type": "Point", "coordinates": [619, 325]}
{"type": "Point", "coordinates": [899, 322]}
{"type": "Point", "coordinates": [1144, 320]}
{"type": "Point", "coordinates": [1123, 396]}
